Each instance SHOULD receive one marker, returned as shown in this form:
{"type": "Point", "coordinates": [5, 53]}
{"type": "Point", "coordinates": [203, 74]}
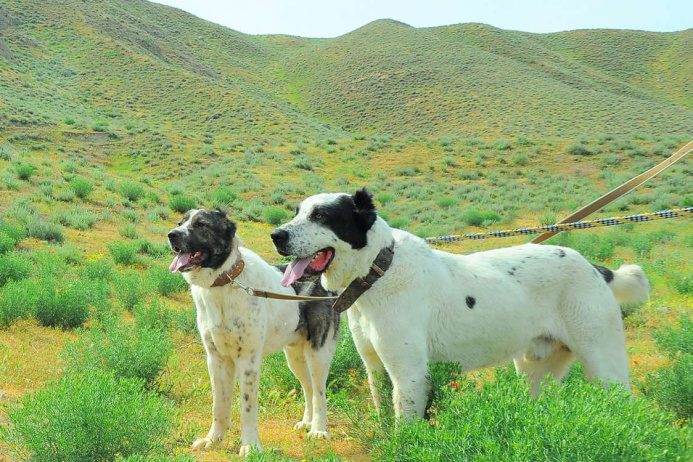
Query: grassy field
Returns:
{"type": "Point", "coordinates": [117, 116]}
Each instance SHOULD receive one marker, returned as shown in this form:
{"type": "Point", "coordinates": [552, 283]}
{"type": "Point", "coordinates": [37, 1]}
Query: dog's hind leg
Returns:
{"type": "Point", "coordinates": [221, 375]}
{"type": "Point", "coordinates": [373, 363]}
{"type": "Point", "coordinates": [299, 366]}
{"type": "Point", "coordinates": [554, 363]}
{"type": "Point", "coordinates": [319, 361]}
{"type": "Point", "coordinates": [249, 382]}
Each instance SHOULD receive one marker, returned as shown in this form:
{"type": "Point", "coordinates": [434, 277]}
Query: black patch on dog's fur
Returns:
{"type": "Point", "coordinates": [212, 233]}
{"type": "Point", "coordinates": [561, 253]}
{"type": "Point", "coordinates": [349, 217]}
{"type": "Point", "coordinates": [471, 301]}
{"type": "Point", "coordinates": [606, 273]}
{"type": "Point", "coordinates": [512, 271]}
{"type": "Point", "coordinates": [315, 319]}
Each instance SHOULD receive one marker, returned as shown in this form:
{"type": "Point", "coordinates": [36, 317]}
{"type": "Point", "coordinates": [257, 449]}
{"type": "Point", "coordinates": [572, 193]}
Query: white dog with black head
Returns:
{"type": "Point", "coordinates": [237, 330]}
{"type": "Point", "coordinates": [541, 306]}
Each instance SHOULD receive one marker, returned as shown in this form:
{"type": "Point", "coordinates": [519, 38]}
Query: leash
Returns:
{"type": "Point", "coordinates": [618, 192]}
{"type": "Point", "coordinates": [558, 228]}
{"type": "Point", "coordinates": [347, 298]}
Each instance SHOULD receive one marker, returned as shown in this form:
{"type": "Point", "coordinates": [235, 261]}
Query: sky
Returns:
{"type": "Point", "coordinates": [327, 18]}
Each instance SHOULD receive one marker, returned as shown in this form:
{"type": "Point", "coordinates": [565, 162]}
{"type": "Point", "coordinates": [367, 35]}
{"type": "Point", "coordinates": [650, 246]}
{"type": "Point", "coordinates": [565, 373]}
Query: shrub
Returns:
{"type": "Point", "coordinates": [129, 288]}
{"type": "Point", "coordinates": [385, 198]}
{"type": "Point", "coordinates": [77, 218]}
{"type": "Point", "coordinates": [90, 417]}
{"type": "Point", "coordinates": [501, 422]}
{"type": "Point", "coordinates": [66, 304]}
{"type": "Point", "coordinates": [131, 191]}
{"type": "Point", "coordinates": [44, 230]}
{"type": "Point", "coordinates": [672, 386]}
{"type": "Point", "coordinates": [447, 202]}
{"type": "Point", "coordinates": [81, 187]}
{"type": "Point", "coordinates": [181, 204]}
{"type": "Point", "coordinates": [14, 267]}
{"type": "Point", "coordinates": [165, 282]}
{"type": "Point", "coordinates": [222, 197]}
{"type": "Point", "coordinates": [25, 171]}
{"type": "Point", "coordinates": [126, 351]}
{"type": "Point", "coordinates": [98, 269]}
{"type": "Point", "coordinates": [123, 253]}
{"type": "Point", "coordinates": [152, 249]}
{"type": "Point", "coordinates": [128, 231]}
{"type": "Point", "coordinates": [579, 150]}
{"type": "Point", "coordinates": [17, 299]}
{"type": "Point", "coordinates": [6, 243]}
{"type": "Point", "coordinates": [475, 217]}
{"type": "Point", "coordinates": [274, 215]}
{"type": "Point", "coordinates": [676, 341]}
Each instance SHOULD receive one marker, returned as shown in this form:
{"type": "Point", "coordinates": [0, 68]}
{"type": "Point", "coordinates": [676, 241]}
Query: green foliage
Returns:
{"type": "Point", "coordinates": [223, 197]}
{"type": "Point", "coordinates": [475, 217]}
{"type": "Point", "coordinates": [89, 417]}
{"type": "Point", "coordinates": [17, 300]}
{"type": "Point", "coordinates": [166, 283]}
{"type": "Point", "coordinates": [447, 202]}
{"type": "Point", "coordinates": [14, 266]}
{"type": "Point", "coordinates": [44, 230]}
{"type": "Point", "coordinates": [98, 269]}
{"type": "Point", "coordinates": [153, 250]}
{"type": "Point", "coordinates": [182, 204]}
{"type": "Point", "coordinates": [123, 253]}
{"type": "Point", "coordinates": [76, 218]}
{"type": "Point", "coordinates": [676, 341]}
{"type": "Point", "coordinates": [128, 231]}
{"type": "Point", "coordinates": [25, 171]}
{"type": "Point", "coordinates": [81, 187]}
{"type": "Point", "coordinates": [501, 422]}
{"type": "Point", "coordinates": [131, 191]}
{"type": "Point", "coordinates": [672, 386]}
{"type": "Point", "coordinates": [126, 351]}
{"type": "Point", "coordinates": [66, 304]}
{"type": "Point", "coordinates": [129, 287]}
{"type": "Point", "coordinates": [579, 150]}
{"type": "Point", "coordinates": [274, 215]}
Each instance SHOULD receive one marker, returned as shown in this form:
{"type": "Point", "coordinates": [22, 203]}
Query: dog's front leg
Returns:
{"type": "Point", "coordinates": [374, 366]}
{"type": "Point", "coordinates": [221, 375]}
{"type": "Point", "coordinates": [249, 381]}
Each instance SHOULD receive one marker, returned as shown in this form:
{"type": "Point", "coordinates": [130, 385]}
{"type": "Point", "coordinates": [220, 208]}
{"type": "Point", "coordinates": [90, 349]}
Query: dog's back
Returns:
{"type": "Point", "coordinates": [317, 319]}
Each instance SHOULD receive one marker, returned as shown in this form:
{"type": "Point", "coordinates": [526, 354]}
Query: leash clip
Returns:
{"type": "Point", "coordinates": [248, 290]}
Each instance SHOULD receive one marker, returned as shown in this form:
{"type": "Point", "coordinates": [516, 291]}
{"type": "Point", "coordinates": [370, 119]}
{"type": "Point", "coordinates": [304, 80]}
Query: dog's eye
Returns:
{"type": "Point", "coordinates": [199, 224]}
{"type": "Point", "coordinates": [319, 215]}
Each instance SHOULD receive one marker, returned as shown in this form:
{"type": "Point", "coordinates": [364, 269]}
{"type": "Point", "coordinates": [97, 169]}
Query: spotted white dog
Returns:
{"type": "Point", "coordinates": [541, 306]}
{"type": "Point", "coordinates": [237, 330]}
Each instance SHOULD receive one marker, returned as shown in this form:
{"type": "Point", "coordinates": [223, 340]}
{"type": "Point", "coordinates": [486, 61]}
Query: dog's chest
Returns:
{"type": "Point", "coordinates": [233, 327]}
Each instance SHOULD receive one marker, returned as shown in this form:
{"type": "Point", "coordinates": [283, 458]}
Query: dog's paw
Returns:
{"type": "Point", "coordinates": [318, 435]}
{"type": "Point", "coordinates": [303, 426]}
{"type": "Point", "coordinates": [203, 444]}
{"type": "Point", "coordinates": [245, 450]}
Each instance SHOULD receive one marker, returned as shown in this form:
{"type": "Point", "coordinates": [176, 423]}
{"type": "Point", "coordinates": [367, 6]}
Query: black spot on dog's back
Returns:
{"type": "Point", "coordinates": [561, 253]}
{"type": "Point", "coordinates": [471, 301]}
{"type": "Point", "coordinates": [606, 273]}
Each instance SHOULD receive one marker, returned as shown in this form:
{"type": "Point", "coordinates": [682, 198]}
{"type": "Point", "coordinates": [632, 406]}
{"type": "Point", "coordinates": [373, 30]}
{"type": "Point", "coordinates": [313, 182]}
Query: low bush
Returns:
{"type": "Point", "coordinates": [127, 351]}
{"type": "Point", "coordinates": [14, 267]}
{"type": "Point", "coordinates": [447, 202]}
{"type": "Point", "coordinates": [129, 288]}
{"type": "Point", "coordinates": [223, 197]}
{"type": "Point", "coordinates": [123, 253]}
{"type": "Point", "coordinates": [98, 269]}
{"type": "Point", "coordinates": [566, 423]}
{"type": "Point", "coordinates": [44, 230]}
{"type": "Point", "coordinates": [128, 231]}
{"type": "Point", "coordinates": [67, 304]}
{"type": "Point", "coordinates": [89, 417]}
{"type": "Point", "coordinates": [165, 282]}
{"type": "Point", "coordinates": [131, 191]}
{"type": "Point", "coordinates": [475, 217]}
{"type": "Point", "coordinates": [182, 204]}
{"type": "Point", "coordinates": [579, 150]}
{"type": "Point", "coordinates": [274, 215]}
{"type": "Point", "coordinates": [25, 171]}
{"type": "Point", "coordinates": [81, 187]}
{"type": "Point", "coordinates": [153, 249]}
{"type": "Point", "coordinates": [672, 386]}
{"type": "Point", "coordinates": [17, 300]}
{"type": "Point", "coordinates": [76, 218]}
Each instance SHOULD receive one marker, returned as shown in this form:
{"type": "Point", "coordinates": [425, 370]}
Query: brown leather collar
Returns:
{"type": "Point", "coordinates": [359, 285]}
{"type": "Point", "coordinates": [228, 276]}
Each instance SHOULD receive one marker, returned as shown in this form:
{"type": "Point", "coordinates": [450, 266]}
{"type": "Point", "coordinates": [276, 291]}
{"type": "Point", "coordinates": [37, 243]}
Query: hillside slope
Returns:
{"type": "Point", "coordinates": [131, 64]}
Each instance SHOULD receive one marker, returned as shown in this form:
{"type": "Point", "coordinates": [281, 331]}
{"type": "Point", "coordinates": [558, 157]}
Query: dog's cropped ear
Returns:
{"type": "Point", "coordinates": [220, 211]}
{"type": "Point", "coordinates": [365, 208]}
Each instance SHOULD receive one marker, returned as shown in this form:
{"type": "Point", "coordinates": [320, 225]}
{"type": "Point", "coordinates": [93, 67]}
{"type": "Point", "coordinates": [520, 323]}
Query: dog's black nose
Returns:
{"type": "Point", "coordinates": [279, 236]}
{"type": "Point", "coordinates": [173, 234]}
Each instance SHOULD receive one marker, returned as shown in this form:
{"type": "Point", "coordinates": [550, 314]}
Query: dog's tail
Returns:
{"type": "Point", "coordinates": [629, 284]}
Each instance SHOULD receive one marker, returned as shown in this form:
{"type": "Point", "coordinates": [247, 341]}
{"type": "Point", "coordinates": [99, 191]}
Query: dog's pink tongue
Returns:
{"type": "Point", "coordinates": [295, 270]}
{"type": "Point", "coordinates": [179, 261]}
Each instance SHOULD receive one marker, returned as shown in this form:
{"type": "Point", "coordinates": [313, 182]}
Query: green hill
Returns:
{"type": "Point", "coordinates": [128, 64]}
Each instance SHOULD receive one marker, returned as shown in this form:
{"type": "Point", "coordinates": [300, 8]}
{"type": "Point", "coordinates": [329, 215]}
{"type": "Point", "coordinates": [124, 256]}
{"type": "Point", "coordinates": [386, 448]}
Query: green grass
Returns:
{"type": "Point", "coordinates": [90, 416]}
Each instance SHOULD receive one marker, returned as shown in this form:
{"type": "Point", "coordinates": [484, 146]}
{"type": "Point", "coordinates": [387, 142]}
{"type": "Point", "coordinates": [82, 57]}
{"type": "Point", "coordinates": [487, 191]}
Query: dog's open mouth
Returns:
{"type": "Point", "coordinates": [311, 265]}
{"type": "Point", "coordinates": [184, 262]}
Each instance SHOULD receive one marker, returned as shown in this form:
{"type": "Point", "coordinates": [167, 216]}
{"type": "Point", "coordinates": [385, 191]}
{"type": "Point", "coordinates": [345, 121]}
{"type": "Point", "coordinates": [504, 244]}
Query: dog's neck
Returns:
{"type": "Point", "coordinates": [349, 264]}
{"type": "Point", "coordinates": [205, 277]}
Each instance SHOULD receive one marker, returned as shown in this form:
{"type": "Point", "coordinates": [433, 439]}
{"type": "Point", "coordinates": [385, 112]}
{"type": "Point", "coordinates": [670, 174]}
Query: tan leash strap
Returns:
{"type": "Point", "coordinates": [614, 194]}
{"type": "Point", "coordinates": [277, 296]}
